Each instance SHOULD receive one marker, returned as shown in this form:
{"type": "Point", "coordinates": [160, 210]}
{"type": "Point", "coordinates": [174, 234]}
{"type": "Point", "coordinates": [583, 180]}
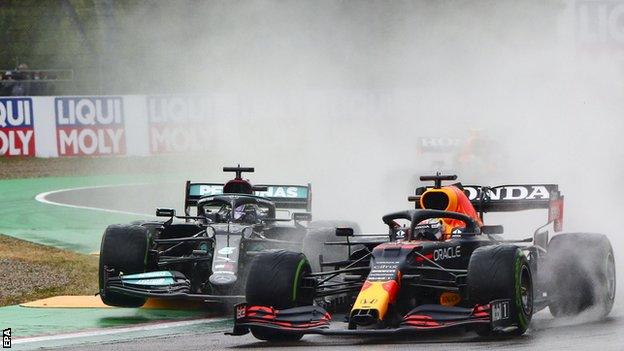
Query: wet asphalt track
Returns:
{"type": "Point", "coordinates": [134, 198]}
{"type": "Point", "coordinates": [545, 333]}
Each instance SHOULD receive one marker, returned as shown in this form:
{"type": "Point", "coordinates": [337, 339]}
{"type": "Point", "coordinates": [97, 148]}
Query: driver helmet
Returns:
{"type": "Point", "coordinates": [429, 229]}
{"type": "Point", "coordinates": [242, 210]}
{"type": "Point", "coordinates": [224, 212]}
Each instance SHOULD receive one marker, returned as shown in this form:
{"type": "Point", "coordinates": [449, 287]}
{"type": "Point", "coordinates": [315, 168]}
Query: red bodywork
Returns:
{"type": "Point", "coordinates": [315, 320]}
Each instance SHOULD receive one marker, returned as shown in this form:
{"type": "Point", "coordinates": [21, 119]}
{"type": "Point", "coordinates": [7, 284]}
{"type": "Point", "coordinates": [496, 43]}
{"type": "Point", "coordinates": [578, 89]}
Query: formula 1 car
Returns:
{"type": "Point", "coordinates": [204, 255]}
{"type": "Point", "coordinates": [438, 267]}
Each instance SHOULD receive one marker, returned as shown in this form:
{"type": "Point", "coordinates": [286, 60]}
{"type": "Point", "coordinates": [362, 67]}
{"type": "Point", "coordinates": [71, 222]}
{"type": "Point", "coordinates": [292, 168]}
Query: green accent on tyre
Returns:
{"type": "Point", "coordinates": [295, 283]}
{"type": "Point", "coordinates": [147, 246]}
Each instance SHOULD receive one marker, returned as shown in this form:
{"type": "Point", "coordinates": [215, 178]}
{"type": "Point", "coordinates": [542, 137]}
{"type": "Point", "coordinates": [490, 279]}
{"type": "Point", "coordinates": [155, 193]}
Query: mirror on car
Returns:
{"type": "Point", "coordinates": [165, 212]}
{"type": "Point", "coordinates": [302, 216]}
{"type": "Point", "coordinates": [247, 232]}
{"type": "Point", "coordinates": [344, 232]}
{"type": "Point", "coordinates": [492, 229]}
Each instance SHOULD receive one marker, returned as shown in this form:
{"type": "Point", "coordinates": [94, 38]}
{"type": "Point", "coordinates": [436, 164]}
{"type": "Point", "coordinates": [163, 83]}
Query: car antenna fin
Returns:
{"type": "Point", "coordinates": [438, 178]}
{"type": "Point", "coordinates": [238, 170]}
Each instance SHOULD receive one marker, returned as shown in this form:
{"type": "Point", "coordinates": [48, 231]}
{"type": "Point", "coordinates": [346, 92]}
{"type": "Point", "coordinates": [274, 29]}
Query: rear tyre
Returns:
{"type": "Point", "coordinates": [581, 272]}
{"type": "Point", "coordinates": [275, 280]}
{"type": "Point", "coordinates": [502, 272]}
{"type": "Point", "coordinates": [123, 250]}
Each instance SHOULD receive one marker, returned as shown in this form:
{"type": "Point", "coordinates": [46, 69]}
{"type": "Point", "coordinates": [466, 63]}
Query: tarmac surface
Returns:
{"type": "Point", "coordinates": [132, 198]}
{"type": "Point", "coordinates": [545, 333]}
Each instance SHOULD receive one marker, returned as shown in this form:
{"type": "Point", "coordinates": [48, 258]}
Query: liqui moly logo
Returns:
{"type": "Point", "coordinates": [17, 136]}
{"type": "Point", "coordinates": [90, 126]}
{"type": "Point", "coordinates": [177, 123]}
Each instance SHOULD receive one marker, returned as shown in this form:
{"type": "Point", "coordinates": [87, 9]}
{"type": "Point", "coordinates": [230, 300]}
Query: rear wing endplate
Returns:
{"type": "Point", "coordinates": [291, 197]}
{"type": "Point", "coordinates": [509, 198]}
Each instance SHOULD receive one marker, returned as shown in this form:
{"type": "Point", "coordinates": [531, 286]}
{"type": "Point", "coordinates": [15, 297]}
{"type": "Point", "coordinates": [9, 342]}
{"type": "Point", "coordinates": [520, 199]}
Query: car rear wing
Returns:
{"type": "Point", "coordinates": [509, 198]}
{"type": "Point", "coordinates": [287, 197]}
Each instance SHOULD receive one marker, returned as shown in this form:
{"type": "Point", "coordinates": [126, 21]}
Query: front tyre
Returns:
{"type": "Point", "coordinates": [502, 272]}
{"type": "Point", "coordinates": [275, 280]}
{"type": "Point", "coordinates": [123, 250]}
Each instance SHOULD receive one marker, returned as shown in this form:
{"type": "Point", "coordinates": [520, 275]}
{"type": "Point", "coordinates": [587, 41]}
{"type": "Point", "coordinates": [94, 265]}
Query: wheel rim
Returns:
{"type": "Point", "coordinates": [610, 272]}
{"type": "Point", "coordinates": [526, 291]}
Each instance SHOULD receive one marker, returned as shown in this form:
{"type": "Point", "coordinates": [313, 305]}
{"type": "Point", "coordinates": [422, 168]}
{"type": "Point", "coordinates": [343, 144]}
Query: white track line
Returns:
{"type": "Point", "coordinates": [112, 331]}
{"type": "Point", "coordinates": [42, 198]}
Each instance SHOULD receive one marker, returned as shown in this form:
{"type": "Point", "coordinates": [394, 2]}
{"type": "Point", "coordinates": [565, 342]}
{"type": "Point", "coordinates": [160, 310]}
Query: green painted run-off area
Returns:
{"type": "Point", "coordinates": [75, 229]}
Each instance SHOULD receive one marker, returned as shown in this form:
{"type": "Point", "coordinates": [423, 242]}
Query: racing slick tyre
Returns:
{"type": "Point", "coordinates": [152, 226]}
{"type": "Point", "coordinates": [320, 232]}
{"type": "Point", "coordinates": [502, 272]}
{"type": "Point", "coordinates": [123, 250]}
{"type": "Point", "coordinates": [275, 280]}
{"type": "Point", "coordinates": [580, 271]}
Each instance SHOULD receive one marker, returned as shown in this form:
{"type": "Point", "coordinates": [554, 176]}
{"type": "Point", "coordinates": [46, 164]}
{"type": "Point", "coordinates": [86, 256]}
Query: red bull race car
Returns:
{"type": "Point", "coordinates": [438, 267]}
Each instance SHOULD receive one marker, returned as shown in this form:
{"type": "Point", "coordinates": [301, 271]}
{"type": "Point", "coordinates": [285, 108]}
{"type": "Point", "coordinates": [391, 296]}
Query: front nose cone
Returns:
{"type": "Point", "coordinates": [364, 317]}
{"type": "Point", "coordinates": [372, 302]}
{"type": "Point", "coordinates": [222, 279]}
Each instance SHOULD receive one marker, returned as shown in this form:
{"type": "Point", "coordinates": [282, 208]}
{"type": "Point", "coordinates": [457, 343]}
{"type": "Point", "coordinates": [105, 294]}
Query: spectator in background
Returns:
{"type": "Point", "coordinates": [26, 82]}
{"type": "Point", "coordinates": [7, 84]}
{"type": "Point", "coordinates": [36, 87]}
{"type": "Point", "coordinates": [47, 86]}
{"type": "Point", "coordinates": [17, 88]}
{"type": "Point", "coordinates": [21, 88]}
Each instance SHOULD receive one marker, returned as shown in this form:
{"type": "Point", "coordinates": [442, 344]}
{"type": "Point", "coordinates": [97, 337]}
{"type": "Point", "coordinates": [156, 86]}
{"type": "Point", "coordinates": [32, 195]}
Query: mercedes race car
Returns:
{"type": "Point", "coordinates": [204, 254]}
{"type": "Point", "coordinates": [438, 267]}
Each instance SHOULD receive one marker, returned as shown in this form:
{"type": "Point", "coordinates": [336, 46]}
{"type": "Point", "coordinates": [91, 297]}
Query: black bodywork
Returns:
{"type": "Point", "coordinates": [422, 269]}
{"type": "Point", "coordinates": [205, 255]}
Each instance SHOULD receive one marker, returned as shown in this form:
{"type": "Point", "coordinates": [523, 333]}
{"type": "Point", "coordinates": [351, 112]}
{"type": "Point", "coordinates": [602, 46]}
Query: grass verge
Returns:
{"type": "Point", "coordinates": [31, 271]}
